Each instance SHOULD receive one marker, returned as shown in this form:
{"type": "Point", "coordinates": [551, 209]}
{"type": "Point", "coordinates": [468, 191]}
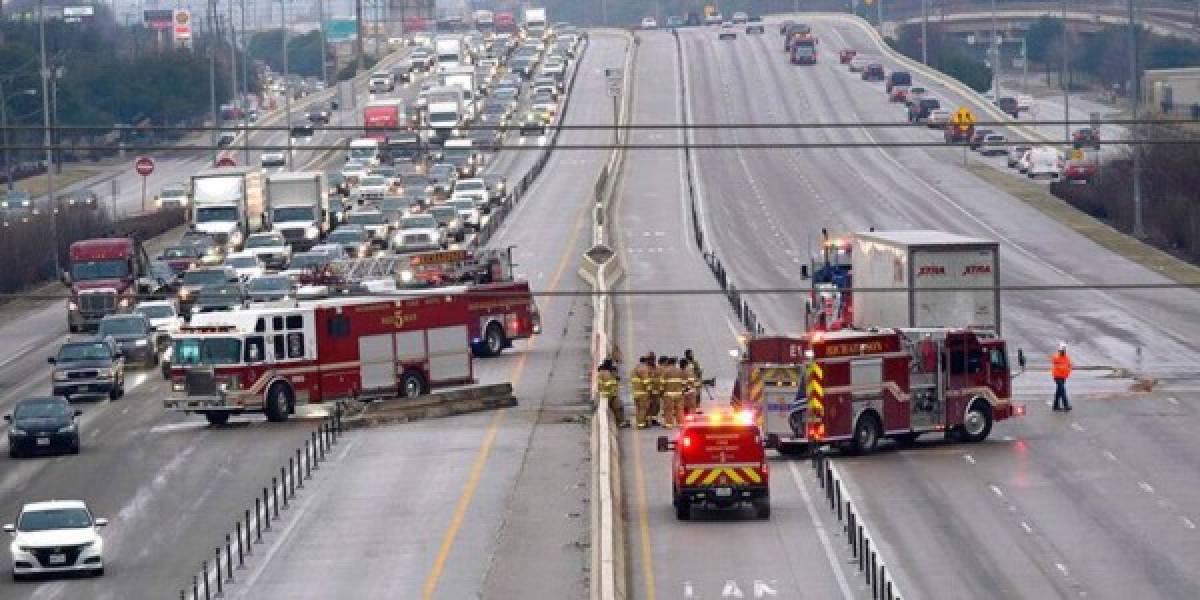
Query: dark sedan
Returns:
{"type": "Point", "coordinates": [134, 335]}
{"type": "Point", "coordinates": [219, 297]}
{"type": "Point", "coordinates": [42, 424]}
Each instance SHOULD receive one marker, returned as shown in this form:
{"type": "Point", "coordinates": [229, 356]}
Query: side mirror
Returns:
{"type": "Point", "coordinates": [10, 528]}
{"type": "Point", "coordinates": [101, 522]}
{"type": "Point", "coordinates": [51, 359]}
{"type": "Point", "coordinates": [803, 271]}
{"type": "Point", "coordinates": [664, 444]}
{"type": "Point", "coordinates": [1021, 358]}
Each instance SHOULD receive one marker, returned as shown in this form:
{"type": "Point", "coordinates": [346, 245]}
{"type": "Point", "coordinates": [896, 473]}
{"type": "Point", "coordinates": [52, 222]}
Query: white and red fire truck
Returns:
{"type": "Point", "coordinates": [271, 359]}
{"type": "Point", "coordinates": [852, 388]}
{"type": "Point", "coordinates": [500, 308]}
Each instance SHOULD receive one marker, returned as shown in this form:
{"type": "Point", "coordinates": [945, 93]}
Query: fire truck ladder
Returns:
{"type": "Point", "coordinates": [369, 267]}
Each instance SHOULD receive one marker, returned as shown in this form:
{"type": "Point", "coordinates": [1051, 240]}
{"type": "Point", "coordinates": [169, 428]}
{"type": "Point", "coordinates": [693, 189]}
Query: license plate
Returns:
{"type": "Point", "coordinates": [724, 492]}
{"type": "Point", "coordinates": [58, 559]}
{"type": "Point", "coordinates": [43, 441]}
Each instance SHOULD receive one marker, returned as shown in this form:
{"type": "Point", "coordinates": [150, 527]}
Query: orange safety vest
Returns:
{"type": "Point", "coordinates": [1060, 366]}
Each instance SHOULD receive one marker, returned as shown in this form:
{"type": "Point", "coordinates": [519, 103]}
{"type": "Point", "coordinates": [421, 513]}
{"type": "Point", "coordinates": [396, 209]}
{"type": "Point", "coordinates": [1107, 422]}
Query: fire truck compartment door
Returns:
{"type": "Point", "coordinates": [449, 353]}
{"type": "Point", "coordinates": [377, 356]}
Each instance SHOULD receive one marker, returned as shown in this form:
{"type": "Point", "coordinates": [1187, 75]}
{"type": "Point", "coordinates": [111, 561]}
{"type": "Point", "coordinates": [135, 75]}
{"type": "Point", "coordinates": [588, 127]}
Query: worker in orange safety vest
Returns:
{"type": "Point", "coordinates": [1060, 370]}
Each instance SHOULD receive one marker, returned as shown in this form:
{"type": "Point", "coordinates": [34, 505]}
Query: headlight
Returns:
{"type": "Point", "coordinates": [406, 276]}
{"type": "Point", "coordinates": [235, 238]}
{"type": "Point", "coordinates": [68, 429]}
{"type": "Point", "coordinates": [222, 386]}
{"type": "Point", "coordinates": [71, 306]}
{"type": "Point", "coordinates": [183, 294]}
{"type": "Point", "coordinates": [15, 431]}
{"type": "Point", "coordinates": [140, 343]}
{"type": "Point", "coordinates": [177, 387]}
{"type": "Point", "coordinates": [124, 303]}
{"type": "Point", "coordinates": [500, 185]}
{"type": "Point", "coordinates": [311, 232]}
{"type": "Point", "coordinates": [104, 373]}
{"type": "Point", "coordinates": [195, 309]}
{"type": "Point", "coordinates": [60, 375]}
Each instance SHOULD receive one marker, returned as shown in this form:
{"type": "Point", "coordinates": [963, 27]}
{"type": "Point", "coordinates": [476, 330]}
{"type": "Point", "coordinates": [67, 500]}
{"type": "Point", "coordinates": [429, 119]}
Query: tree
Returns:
{"type": "Point", "coordinates": [1043, 38]}
{"type": "Point", "coordinates": [304, 51]}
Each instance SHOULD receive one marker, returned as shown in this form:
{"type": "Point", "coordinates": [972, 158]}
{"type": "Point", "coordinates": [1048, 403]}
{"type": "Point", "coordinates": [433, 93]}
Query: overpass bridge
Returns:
{"type": "Point", "coordinates": [1013, 23]}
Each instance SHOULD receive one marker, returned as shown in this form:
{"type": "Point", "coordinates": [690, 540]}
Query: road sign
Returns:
{"type": "Point", "coordinates": [1076, 154]}
{"type": "Point", "coordinates": [341, 30]}
{"type": "Point", "coordinates": [963, 116]}
{"type": "Point", "coordinates": [144, 165]}
{"type": "Point", "coordinates": [225, 161]}
{"type": "Point", "coordinates": [183, 24]}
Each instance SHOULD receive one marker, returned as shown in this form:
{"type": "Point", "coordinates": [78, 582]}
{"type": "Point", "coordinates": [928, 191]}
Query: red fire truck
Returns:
{"type": "Point", "coordinates": [500, 308]}
{"type": "Point", "coordinates": [851, 388]}
{"type": "Point", "coordinates": [271, 359]}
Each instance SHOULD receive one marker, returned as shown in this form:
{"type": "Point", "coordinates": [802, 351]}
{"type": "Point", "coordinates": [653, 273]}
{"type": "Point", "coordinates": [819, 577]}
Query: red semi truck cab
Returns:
{"type": "Point", "coordinates": [384, 117]}
{"type": "Point", "coordinates": [718, 460]}
{"type": "Point", "coordinates": [105, 276]}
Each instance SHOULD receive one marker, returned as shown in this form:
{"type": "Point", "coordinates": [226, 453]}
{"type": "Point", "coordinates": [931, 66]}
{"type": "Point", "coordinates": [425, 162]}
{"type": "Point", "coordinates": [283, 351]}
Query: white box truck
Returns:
{"type": "Point", "coordinates": [449, 50]}
{"type": "Point", "coordinates": [941, 280]}
{"type": "Point", "coordinates": [535, 22]}
{"type": "Point", "coordinates": [297, 206]}
{"type": "Point", "coordinates": [227, 203]}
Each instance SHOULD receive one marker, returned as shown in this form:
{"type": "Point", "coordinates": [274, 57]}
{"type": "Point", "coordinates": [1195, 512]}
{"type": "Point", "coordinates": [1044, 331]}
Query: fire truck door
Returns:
{"type": "Point", "coordinates": [925, 385]}
{"type": "Point", "coordinates": [866, 388]}
{"type": "Point", "coordinates": [377, 358]}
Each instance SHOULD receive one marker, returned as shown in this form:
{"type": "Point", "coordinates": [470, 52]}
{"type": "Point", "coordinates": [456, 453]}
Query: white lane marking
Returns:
{"type": "Point", "coordinates": [21, 352]}
{"type": "Point", "coordinates": [1173, 400]}
{"type": "Point", "coordinates": [1063, 569]}
{"type": "Point", "coordinates": [180, 426]}
{"type": "Point", "coordinates": [1110, 456]}
{"type": "Point", "coordinates": [821, 533]}
{"type": "Point", "coordinates": [732, 328]}
{"type": "Point", "coordinates": [1077, 427]}
{"type": "Point", "coordinates": [996, 491]}
{"type": "Point", "coordinates": [1187, 522]}
{"type": "Point", "coordinates": [1146, 487]}
{"type": "Point", "coordinates": [1026, 527]}
{"type": "Point", "coordinates": [970, 459]}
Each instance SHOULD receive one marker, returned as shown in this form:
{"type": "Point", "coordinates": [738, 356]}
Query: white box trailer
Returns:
{"type": "Point", "coordinates": [941, 280]}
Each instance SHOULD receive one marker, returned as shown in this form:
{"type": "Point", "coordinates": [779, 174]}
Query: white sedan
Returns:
{"type": "Point", "coordinates": [58, 536]}
{"type": "Point", "coordinates": [246, 264]}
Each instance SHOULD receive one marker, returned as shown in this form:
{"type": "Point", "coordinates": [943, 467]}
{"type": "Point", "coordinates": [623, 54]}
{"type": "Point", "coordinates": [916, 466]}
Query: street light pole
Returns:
{"type": "Point", "coordinates": [1135, 98]}
{"type": "Point", "coordinates": [212, 75]}
{"type": "Point", "coordinates": [287, 97]}
{"type": "Point", "coordinates": [324, 43]}
{"type": "Point", "coordinates": [1066, 67]}
{"type": "Point", "coordinates": [925, 32]}
{"type": "Point", "coordinates": [995, 46]}
{"type": "Point", "coordinates": [8, 172]}
{"type": "Point", "coordinates": [46, 139]}
{"type": "Point", "coordinates": [245, 89]}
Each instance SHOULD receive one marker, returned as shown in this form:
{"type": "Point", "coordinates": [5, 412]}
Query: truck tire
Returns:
{"type": "Point", "coordinates": [412, 384]}
{"type": "Point", "coordinates": [683, 508]}
{"type": "Point", "coordinates": [977, 424]}
{"type": "Point", "coordinates": [217, 417]}
{"type": "Point", "coordinates": [762, 507]}
{"type": "Point", "coordinates": [866, 434]}
{"type": "Point", "coordinates": [279, 398]}
{"type": "Point", "coordinates": [493, 340]}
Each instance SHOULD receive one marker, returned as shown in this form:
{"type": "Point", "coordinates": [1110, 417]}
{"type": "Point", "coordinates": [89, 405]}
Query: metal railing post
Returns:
{"type": "Point", "coordinates": [220, 581]}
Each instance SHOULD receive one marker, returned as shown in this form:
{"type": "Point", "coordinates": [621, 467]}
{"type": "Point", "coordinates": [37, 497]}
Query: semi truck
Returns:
{"type": "Point", "coordinates": [449, 51]}
{"type": "Point", "coordinates": [535, 22]}
{"type": "Point", "coordinates": [227, 204]}
{"type": "Point", "coordinates": [506, 22]}
{"type": "Point", "coordinates": [383, 116]}
{"type": "Point", "coordinates": [941, 280]}
{"type": "Point", "coordinates": [297, 206]}
{"type": "Point", "coordinates": [105, 276]}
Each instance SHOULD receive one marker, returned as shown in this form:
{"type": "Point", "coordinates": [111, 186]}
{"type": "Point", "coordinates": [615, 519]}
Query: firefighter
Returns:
{"type": "Point", "coordinates": [1060, 370]}
{"type": "Point", "coordinates": [656, 388]}
{"type": "Point", "coordinates": [608, 384]}
{"type": "Point", "coordinates": [691, 386]}
{"type": "Point", "coordinates": [639, 384]}
{"type": "Point", "coordinates": [672, 393]}
{"type": "Point", "coordinates": [691, 358]}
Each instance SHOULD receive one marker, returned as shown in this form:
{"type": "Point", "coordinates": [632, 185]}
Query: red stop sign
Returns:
{"type": "Point", "coordinates": [144, 165]}
{"type": "Point", "coordinates": [226, 162]}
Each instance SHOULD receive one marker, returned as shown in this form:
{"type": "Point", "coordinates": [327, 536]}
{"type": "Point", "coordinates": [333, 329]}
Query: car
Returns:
{"type": "Point", "coordinates": [1079, 170]}
{"type": "Point", "coordinates": [271, 248]}
{"type": "Point", "coordinates": [164, 318]}
{"type": "Point", "coordinates": [897, 79]}
{"type": "Point", "coordinates": [90, 366]}
{"type": "Point", "coordinates": [977, 136]}
{"type": "Point", "coordinates": [173, 195]}
{"type": "Point", "coordinates": [225, 138]}
{"type": "Point", "coordinates": [419, 183]}
{"type": "Point", "coordinates": [418, 232]}
{"type": "Point", "coordinates": [245, 264]}
{"type": "Point", "coordinates": [755, 25]}
{"type": "Point", "coordinates": [873, 72]}
{"type": "Point", "coordinates": [134, 335]}
{"type": "Point", "coordinates": [704, 453]}
{"type": "Point", "coordinates": [846, 55]}
{"type": "Point", "coordinates": [783, 26]}
{"type": "Point", "coordinates": [921, 110]}
{"type": "Point", "coordinates": [447, 218]}
{"type": "Point", "coordinates": [899, 93]}
{"type": "Point", "coordinates": [740, 18]}
{"type": "Point", "coordinates": [373, 222]}
{"type": "Point", "coordinates": [479, 197]}
{"type": "Point", "coordinates": [649, 23]}
{"type": "Point", "coordinates": [544, 102]}
{"type": "Point", "coordinates": [1014, 154]}
{"type": "Point", "coordinates": [858, 64]}
{"type": "Point", "coordinates": [497, 186]}
{"type": "Point", "coordinates": [1044, 161]}
{"type": "Point", "coordinates": [468, 211]}
{"type": "Point", "coordinates": [465, 158]}
{"type": "Point", "coordinates": [938, 118]}
{"type": "Point", "coordinates": [532, 125]}
{"type": "Point", "coordinates": [993, 144]}
{"type": "Point", "coordinates": [352, 171]}
{"type": "Point", "coordinates": [213, 251]}
{"type": "Point", "coordinates": [318, 117]}
{"type": "Point", "coordinates": [182, 258]}
{"type": "Point", "coordinates": [1086, 136]}
{"type": "Point", "coordinates": [442, 176]}
{"type": "Point", "coordinates": [196, 279]}
{"type": "Point", "coordinates": [42, 424]}
{"type": "Point", "coordinates": [1008, 104]}
{"type": "Point", "coordinates": [353, 240]}
{"type": "Point", "coordinates": [727, 32]}
{"type": "Point", "coordinates": [312, 261]}
{"type": "Point", "coordinates": [370, 188]}
{"type": "Point", "coordinates": [269, 288]}
{"type": "Point", "coordinates": [219, 297]}
{"type": "Point", "coordinates": [56, 536]}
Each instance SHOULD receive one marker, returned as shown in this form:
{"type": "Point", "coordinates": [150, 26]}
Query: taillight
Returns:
{"type": "Point", "coordinates": [686, 441]}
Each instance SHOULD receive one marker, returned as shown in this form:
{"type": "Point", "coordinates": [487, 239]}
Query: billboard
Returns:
{"type": "Point", "coordinates": [183, 24]}
{"type": "Point", "coordinates": [341, 30]}
{"type": "Point", "coordinates": [76, 12]}
{"type": "Point", "coordinates": [158, 19]}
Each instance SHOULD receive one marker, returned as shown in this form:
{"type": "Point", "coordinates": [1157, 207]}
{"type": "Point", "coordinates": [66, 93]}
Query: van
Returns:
{"type": "Point", "coordinates": [1044, 161]}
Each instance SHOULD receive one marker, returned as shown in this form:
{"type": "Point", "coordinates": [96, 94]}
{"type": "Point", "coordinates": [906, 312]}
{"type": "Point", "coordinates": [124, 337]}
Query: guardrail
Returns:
{"type": "Point", "coordinates": [429, 406]}
{"type": "Point", "coordinates": [219, 573]}
{"type": "Point", "coordinates": [858, 536]}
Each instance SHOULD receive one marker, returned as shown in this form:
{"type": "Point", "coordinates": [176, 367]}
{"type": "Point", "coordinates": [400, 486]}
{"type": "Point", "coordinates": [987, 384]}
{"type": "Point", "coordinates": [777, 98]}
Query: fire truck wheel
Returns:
{"type": "Point", "coordinates": [278, 400]}
{"type": "Point", "coordinates": [217, 418]}
{"type": "Point", "coordinates": [683, 508]}
{"type": "Point", "coordinates": [493, 340]}
{"type": "Point", "coordinates": [978, 422]}
{"type": "Point", "coordinates": [762, 508]}
{"type": "Point", "coordinates": [412, 384]}
{"type": "Point", "coordinates": [866, 434]}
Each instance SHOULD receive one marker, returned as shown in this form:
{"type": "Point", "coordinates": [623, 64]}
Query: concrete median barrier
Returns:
{"type": "Point", "coordinates": [429, 406]}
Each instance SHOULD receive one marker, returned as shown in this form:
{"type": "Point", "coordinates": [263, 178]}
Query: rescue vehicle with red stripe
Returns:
{"type": "Point", "coordinates": [270, 360]}
{"type": "Point", "coordinates": [852, 388]}
{"type": "Point", "coordinates": [718, 461]}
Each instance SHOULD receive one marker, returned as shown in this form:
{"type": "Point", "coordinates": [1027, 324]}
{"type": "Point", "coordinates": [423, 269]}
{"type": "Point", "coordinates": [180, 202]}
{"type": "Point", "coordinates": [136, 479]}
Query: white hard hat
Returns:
{"type": "Point", "coordinates": [1062, 346]}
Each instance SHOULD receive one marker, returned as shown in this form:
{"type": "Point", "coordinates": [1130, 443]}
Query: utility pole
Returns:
{"type": "Point", "coordinates": [1066, 68]}
{"type": "Point", "coordinates": [358, 41]}
{"type": "Point", "coordinates": [233, 61]}
{"type": "Point", "coordinates": [1135, 98]}
{"type": "Point", "coordinates": [287, 98]}
{"type": "Point", "coordinates": [245, 88]}
{"type": "Point", "coordinates": [212, 75]}
{"type": "Point", "coordinates": [995, 47]}
{"type": "Point", "coordinates": [45, 73]}
{"type": "Point", "coordinates": [925, 32]}
{"type": "Point", "coordinates": [324, 44]}
{"type": "Point", "coordinates": [8, 172]}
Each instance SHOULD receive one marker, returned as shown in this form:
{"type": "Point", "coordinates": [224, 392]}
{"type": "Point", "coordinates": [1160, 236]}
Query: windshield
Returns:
{"type": "Point", "coordinates": [265, 241]}
{"type": "Point", "coordinates": [292, 213]}
{"type": "Point", "coordinates": [442, 117]}
{"type": "Point", "coordinates": [214, 214]}
{"type": "Point", "coordinates": [89, 351]}
{"type": "Point", "coordinates": [465, 185]}
{"type": "Point", "coordinates": [804, 50]}
{"type": "Point", "coordinates": [444, 213]}
{"type": "Point", "coordinates": [363, 152]}
{"type": "Point", "coordinates": [901, 79]}
{"type": "Point", "coordinates": [304, 261]}
{"type": "Point", "coordinates": [203, 277]}
{"type": "Point", "coordinates": [372, 181]}
{"type": "Point", "coordinates": [210, 351]}
{"type": "Point", "coordinates": [172, 193]}
{"type": "Point", "coordinates": [347, 237]}
{"type": "Point", "coordinates": [457, 153]}
{"type": "Point", "coordinates": [414, 180]}
{"type": "Point", "coordinates": [99, 269]}
{"type": "Point", "coordinates": [462, 205]}
{"type": "Point", "coordinates": [241, 262]}
{"type": "Point", "coordinates": [121, 326]}
{"type": "Point", "coordinates": [41, 409]}
{"type": "Point", "coordinates": [269, 284]}
{"type": "Point", "coordinates": [156, 311]}
{"type": "Point", "coordinates": [495, 109]}
{"type": "Point", "coordinates": [423, 222]}
{"type": "Point", "coordinates": [366, 218]}
{"type": "Point", "coordinates": [59, 518]}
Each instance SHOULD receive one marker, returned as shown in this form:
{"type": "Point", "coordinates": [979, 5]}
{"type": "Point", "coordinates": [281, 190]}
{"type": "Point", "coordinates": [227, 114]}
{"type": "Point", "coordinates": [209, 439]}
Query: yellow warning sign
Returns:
{"type": "Point", "coordinates": [1076, 154]}
{"type": "Point", "coordinates": [963, 116]}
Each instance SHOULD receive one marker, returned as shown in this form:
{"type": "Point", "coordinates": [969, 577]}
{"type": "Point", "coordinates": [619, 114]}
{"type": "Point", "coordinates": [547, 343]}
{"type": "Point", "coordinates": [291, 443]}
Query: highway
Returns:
{"type": "Point", "coordinates": [485, 505]}
{"type": "Point", "coordinates": [173, 486]}
{"type": "Point", "coordinates": [1098, 502]}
